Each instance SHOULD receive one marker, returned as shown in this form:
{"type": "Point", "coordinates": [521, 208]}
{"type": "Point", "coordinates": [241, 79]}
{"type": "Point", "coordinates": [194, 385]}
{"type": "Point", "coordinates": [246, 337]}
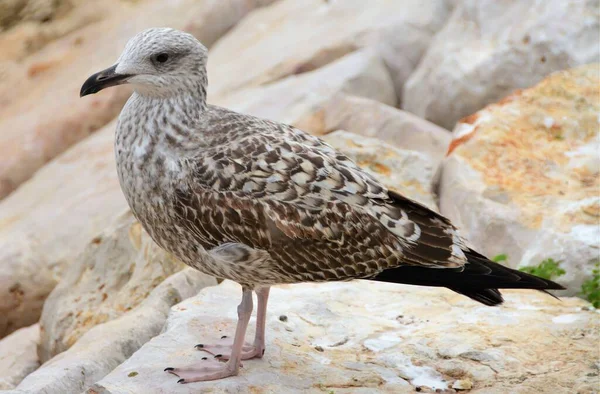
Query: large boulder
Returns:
{"type": "Point", "coordinates": [293, 37]}
{"type": "Point", "coordinates": [365, 337]}
{"type": "Point", "coordinates": [108, 344]}
{"type": "Point", "coordinates": [489, 48]}
{"type": "Point", "coordinates": [116, 272]}
{"type": "Point", "coordinates": [522, 176]}
{"type": "Point", "coordinates": [405, 171]}
{"type": "Point", "coordinates": [40, 109]}
{"type": "Point", "coordinates": [18, 356]}
{"type": "Point", "coordinates": [298, 99]}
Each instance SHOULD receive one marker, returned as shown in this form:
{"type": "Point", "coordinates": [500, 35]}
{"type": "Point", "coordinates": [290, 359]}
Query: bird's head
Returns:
{"type": "Point", "coordinates": [157, 62]}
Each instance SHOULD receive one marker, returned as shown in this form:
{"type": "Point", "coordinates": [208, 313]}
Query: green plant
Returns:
{"type": "Point", "coordinates": [590, 289]}
{"type": "Point", "coordinates": [499, 258]}
{"type": "Point", "coordinates": [547, 269]}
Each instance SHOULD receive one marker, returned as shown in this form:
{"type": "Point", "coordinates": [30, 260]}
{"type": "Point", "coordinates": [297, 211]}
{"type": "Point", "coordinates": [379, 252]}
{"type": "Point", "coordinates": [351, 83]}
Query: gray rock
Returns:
{"type": "Point", "coordinates": [489, 48]}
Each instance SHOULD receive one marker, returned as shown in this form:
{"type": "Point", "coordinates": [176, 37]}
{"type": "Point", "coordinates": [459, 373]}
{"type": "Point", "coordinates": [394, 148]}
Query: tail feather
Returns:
{"type": "Point", "coordinates": [479, 279]}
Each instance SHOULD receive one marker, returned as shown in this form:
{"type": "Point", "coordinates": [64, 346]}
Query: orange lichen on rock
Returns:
{"type": "Point", "coordinates": [535, 146]}
{"type": "Point", "coordinates": [456, 142]}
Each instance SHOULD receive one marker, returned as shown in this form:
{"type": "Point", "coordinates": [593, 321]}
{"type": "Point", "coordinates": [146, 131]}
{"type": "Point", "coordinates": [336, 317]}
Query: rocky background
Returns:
{"type": "Point", "coordinates": [487, 111]}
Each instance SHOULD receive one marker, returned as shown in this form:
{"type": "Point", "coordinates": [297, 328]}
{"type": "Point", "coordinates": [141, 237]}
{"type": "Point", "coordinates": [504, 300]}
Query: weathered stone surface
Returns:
{"type": "Point", "coordinates": [407, 172]}
{"type": "Point", "coordinates": [365, 337]}
{"type": "Point", "coordinates": [15, 11]}
{"type": "Point", "coordinates": [115, 273]}
{"type": "Point", "coordinates": [371, 118]}
{"type": "Point", "coordinates": [523, 175]}
{"type": "Point", "coordinates": [31, 35]}
{"type": "Point", "coordinates": [45, 225]}
{"type": "Point", "coordinates": [292, 37]}
{"type": "Point", "coordinates": [297, 99]}
{"type": "Point", "coordinates": [18, 356]}
{"type": "Point", "coordinates": [41, 112]}
{"type": "Point", "coordinates": [105, 346]}
{"type": "Point", "coordinates": [489, 48]}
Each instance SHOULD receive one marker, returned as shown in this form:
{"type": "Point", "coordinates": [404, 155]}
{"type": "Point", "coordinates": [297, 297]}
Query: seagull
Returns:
{"type": "Point", "coordinates": [263, 203]}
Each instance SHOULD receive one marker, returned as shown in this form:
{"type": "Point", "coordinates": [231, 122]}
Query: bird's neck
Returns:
{"type": "Point", "coordinates": [162, 124]}
{"type": "Point", "coordinates": [188, 100]}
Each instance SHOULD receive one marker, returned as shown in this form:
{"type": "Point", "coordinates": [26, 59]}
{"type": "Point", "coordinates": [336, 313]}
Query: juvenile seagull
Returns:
{"type": "Point", "coordinates": [263, 203]}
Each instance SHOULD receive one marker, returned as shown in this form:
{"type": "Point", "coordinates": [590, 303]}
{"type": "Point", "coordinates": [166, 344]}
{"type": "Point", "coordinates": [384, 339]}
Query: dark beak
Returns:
{"type": "Point", "coordinates": [102, 80]}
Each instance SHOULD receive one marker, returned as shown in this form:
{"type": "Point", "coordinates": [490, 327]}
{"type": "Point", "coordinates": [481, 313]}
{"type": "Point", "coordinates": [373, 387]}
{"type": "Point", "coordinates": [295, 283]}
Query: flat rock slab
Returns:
{"type": "Point", "coordinates": [366, 337]}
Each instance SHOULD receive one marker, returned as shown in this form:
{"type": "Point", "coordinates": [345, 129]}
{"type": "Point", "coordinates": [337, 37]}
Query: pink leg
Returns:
{"type": "Point", "coordinates": [223, 350]}
{"type": "Point", "coordinates": [213, 369]}
{"type": "Point", "coordinates": [261, 318]}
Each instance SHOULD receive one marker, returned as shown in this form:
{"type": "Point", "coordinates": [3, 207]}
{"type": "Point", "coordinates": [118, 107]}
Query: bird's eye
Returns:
{"type": "Point", "coordinates": [162, 57]}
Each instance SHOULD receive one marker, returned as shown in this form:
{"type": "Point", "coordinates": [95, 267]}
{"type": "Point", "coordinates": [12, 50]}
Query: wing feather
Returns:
{"type": "Point", "coordinates": [318, 215]}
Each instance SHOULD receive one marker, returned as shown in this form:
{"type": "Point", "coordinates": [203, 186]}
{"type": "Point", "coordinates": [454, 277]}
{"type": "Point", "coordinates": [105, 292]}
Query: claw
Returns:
{"type": "Point", "coordinates": [181, 381]}
{"type": "Point", "coordinates": [224, 336]}
{"type": "Point", "coordinates": [218, 356]}
{"type": "Point", "coordinates": [204, 358]}
{"type": "Point", "coordinates": [169, 369]}
{"type": "Point", "coordinates": [199, 346]}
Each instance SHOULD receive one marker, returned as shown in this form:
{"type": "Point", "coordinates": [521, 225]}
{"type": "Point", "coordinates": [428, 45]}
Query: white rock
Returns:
{"type": "Point", "coordinates": [407, 172]}
{"type": "Point", "coordinates": [18, 356]}
{"type": "Point", "coordinates": [518, 187]}
{"type": "Point", "coordinates": [105, 346]}
{"type": "Point", "coordinates": [489, 48]}
{"type": "Point", "coordinates": [292, 37]}
{"type": "Point", "coordinates": [373, 338]}
{"type": "Point", "coordinates": [115, 273]}
{"type": "Point", "coordinates": [373, 119]}
{"type": "Point", "coordinates": [297, 99]}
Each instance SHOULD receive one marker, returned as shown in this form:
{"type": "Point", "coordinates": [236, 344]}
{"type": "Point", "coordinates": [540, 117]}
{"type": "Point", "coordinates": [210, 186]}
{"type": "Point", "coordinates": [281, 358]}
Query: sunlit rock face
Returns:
{"type": "Point", "coordinates": [522, 176]}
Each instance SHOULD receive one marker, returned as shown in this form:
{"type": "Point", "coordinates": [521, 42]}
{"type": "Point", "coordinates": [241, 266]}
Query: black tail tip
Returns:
{"type": "Point", "coordinates": [489, 297]}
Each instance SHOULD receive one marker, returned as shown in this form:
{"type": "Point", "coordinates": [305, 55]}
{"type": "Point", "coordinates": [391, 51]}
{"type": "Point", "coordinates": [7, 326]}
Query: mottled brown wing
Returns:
{"type": "Point", "coordinates": [310, 207]}
{"type": "Point", "coordinates": [334, 243]}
